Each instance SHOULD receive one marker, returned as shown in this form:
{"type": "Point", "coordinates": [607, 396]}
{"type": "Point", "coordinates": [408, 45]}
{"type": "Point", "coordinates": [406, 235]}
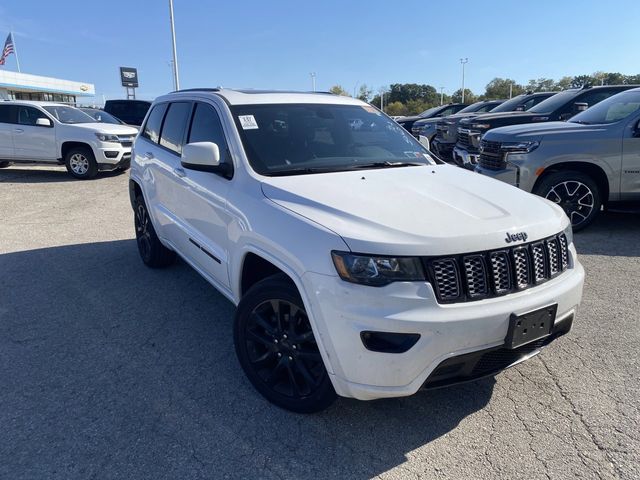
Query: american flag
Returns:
{"type": "Point", "coordinates": [8, 49]}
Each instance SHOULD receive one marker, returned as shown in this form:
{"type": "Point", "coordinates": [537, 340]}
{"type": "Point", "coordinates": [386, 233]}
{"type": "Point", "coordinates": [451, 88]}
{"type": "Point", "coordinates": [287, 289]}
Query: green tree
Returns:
{"type": "Point", "coordinates": [365, 93]}
{"type": "Point", "coordinates": [582, 80]}
{"type": "Point", "coordinates": [542, 85]}
{"type": "Point", "coordinates": [415, 107]}
{"type": "Point", "coordinates": [395, 109]}
{"type": "Point", "coordinates": [338, 90]}
{"type": "Point", "coordinates": [563, 83]}
{"type": "Point", "coordinates": [403, 92]}
{"type": "Point", "coordinates": [500, 88]}
{"type": "Point", "coordinates": [469, 96]}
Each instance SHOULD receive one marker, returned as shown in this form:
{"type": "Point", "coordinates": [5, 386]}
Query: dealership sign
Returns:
{"type": "Point", "coordinates": [129, 76]}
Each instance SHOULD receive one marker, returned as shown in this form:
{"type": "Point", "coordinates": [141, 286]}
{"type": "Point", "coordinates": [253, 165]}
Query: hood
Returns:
{"type": "Point", "coordinates": [111, 128]}
{"type": "Point", "coordinates": [500, 119]}
{"type": "Point", "coordinates": [538, 130]}
{"type": "Point", "coordinates": [412, 118]}
{"type": "Point", "coordinates": [426, 121]}
{"type": "Point", "coordinates": [430, 210]}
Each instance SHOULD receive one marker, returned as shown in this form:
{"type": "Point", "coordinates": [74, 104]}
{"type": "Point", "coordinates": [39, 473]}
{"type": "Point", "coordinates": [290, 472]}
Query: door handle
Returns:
{"type": "Point", "coordinates": [148, 155]}
{"type": "Point", "coordinates": [18, 130]}
{"type": "Point", "coordinates": [179, 171]}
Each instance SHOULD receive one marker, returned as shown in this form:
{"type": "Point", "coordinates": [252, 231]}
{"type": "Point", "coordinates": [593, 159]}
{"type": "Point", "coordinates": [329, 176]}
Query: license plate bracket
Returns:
{"type": "Point", "coordinates": [531, 326]}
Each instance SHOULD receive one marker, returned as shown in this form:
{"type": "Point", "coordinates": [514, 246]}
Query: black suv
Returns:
{"type": "Point", "coordinates": [446, 133]}
{"type": "Point", "coordinates": [426, 127]}
{"type": "Point", "coordinates": [440, 111]}
{"type": "Point", "coordinates": [561, 106]}
{"type": "Point", "coordinates": [129, 111]}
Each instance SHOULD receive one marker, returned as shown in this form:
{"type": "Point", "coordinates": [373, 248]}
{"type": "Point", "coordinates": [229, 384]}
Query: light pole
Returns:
{"type": "Point", "coordinates": [354, 88]}
{"type": "Point", "coordinates": [313, 81]}
{"type": "Point", "coordinates": [382, 99]}
{"type": "Point", "coordinates": [176, 80]}
{"type": "Point", "coordinates": [441, 95]}
{"type": "Point", "coordinates": [463, 61]}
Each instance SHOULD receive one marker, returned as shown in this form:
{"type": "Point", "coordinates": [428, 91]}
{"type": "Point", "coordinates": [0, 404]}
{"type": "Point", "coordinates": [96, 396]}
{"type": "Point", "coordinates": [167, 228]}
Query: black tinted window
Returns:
{"type": "Point", "coordinates": [174, 125]}
{"type": "Point", "coordinates": [154, 122]}
{"type": "Point", "coordinates": [29, 115]}
{"type": "Point", "coordinates": [206, 127]}
{"type": "Point", "coordinates": [7, 114]}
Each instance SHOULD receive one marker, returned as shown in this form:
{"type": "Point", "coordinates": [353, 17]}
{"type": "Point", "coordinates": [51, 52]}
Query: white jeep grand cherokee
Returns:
{"type": "Point", "coordinates": [360, 266]}
{"type": "Point", "coordinates": [52, 133]}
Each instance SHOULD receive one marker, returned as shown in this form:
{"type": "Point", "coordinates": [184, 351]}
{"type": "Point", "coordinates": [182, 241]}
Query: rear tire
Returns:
{"type": "Point", "coordinates": [153, 253]}
{"type": "Point", "coordinates": [277, 350]}
{"type": "Point", "coordinates": [4, 164]}
{"type": "Point", "coordinates": [81, 163]}
{"type": "Point", "coordinates": [577, 194]}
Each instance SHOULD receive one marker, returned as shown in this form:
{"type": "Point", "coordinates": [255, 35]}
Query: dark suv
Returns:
{"type": "Point", "coordinates": [129, 111]}
{"type": "Point", "coordinates": [562, 106]}
{"type": "Point", "coordinates": [426, 127]}
{"type": "Point", "coordinates": [440, 111]}
{"type": "Point", "coordinates": [446, 133]}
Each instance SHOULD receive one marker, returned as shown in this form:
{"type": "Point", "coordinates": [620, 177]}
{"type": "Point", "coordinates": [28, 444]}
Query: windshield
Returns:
{"type": "Point", "coordinates": [509, 105]}
{"type": "Point", "coordinates": [290, 139]}
{"type": "Point", "coordinates": [472, 108]}
{"type": "Point", "coordinates": [611, 110]}
{"type": "Point", "coordinates": [429, 112]}
{"type": "Point", "coordinates": [101, 116]}
{"type": "Point", "coordinates": [68, 114]}
{"type": "Point", "coordinates": [551, 104]}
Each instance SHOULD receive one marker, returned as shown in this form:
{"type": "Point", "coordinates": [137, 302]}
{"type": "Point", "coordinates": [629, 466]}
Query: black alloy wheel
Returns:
{"type": "Point", "coordinates": [277, 349]}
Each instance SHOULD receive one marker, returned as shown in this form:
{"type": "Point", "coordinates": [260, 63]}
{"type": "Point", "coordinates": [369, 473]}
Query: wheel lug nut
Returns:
{"type": "Point", "coordinates": [295, 348]}
{"type": "Point", "coordinates": [290, 358]}
{"type": "Point", "coordinates": [275, 340]}
{"type": "Point", "coordinates": [279, 354]}
{"type": "Point", "coordinates": [284, 336]}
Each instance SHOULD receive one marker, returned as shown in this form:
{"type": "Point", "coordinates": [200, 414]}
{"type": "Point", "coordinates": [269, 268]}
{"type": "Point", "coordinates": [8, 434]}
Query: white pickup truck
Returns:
{"type": "Point", "coordinates": [51, 133]}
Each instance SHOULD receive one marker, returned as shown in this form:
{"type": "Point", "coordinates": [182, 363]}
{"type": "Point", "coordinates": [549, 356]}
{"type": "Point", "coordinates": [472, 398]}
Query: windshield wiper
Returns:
{"type": "Point", "coordinates": [301, 171]}
{"type": "Point", "coordinates": [387, 164]}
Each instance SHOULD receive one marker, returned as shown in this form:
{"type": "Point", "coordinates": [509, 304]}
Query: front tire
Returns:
{"type": "Point", "coordinates": [81, 163]}
{"type": "Point", "coordinates": [153, 253]}
{"type": "Point", "coordinates": [277, 350]}
{"type": "Point", "coordinates": [577, 194]}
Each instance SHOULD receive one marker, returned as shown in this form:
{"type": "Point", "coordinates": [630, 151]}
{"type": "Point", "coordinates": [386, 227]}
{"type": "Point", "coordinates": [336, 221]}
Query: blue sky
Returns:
{"type": "Point", "coordinates": [275, 44]}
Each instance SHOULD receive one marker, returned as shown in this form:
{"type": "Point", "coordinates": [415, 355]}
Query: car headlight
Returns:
{"type": "Point", "coordinates": [377, 271]}
{"type": "Point", "coordinates": [480, 126]}
{"type": "Point", "coordinates": [107, 137]}
{"type": "Point", "coordinates": [568, 232]}
{"type": "Point", "coordinates": [520, 147]}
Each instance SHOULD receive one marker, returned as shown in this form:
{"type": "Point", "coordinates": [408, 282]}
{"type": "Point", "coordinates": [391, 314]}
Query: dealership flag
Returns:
{"type": "Point", "coordinates": [8, 49]}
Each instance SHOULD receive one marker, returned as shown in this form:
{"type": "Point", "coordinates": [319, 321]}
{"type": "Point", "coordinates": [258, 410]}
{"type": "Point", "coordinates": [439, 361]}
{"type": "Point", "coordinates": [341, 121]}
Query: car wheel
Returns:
{"type": "Point", "coordinates": [577, 194]}
{"type": "Point", "coordinates": [153, 253]}
{"type": "Point", "coordinates": [81, 163]}
{"type": "Point", "coordinates": [277, 349]}
{"type": "Point", "coordinates": [4, 164]}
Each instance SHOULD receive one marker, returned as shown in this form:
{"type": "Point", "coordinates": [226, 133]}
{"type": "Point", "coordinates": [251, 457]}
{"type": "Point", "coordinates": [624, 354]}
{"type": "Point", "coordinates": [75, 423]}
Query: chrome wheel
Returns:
{"type": "Point", "coordinates": [79, 164]}
{"type": "Point", "coordinates": [282, 350]}
{"type": "Point", "coordinates": [143, 233]}
{"type": "Point", "coordinates": [575, 198]}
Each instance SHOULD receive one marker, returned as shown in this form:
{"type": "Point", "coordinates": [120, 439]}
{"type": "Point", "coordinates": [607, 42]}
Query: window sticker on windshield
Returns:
{"type": "Point", "coordinates": [413, 154]}
{"type": "Point", "coordinates": [371, 109]}
{"type": "Point", "coordinates": [248, 122]}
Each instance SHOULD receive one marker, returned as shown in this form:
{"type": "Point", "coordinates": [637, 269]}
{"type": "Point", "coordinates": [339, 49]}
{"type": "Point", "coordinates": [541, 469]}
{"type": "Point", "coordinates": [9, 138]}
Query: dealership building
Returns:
{"type": "Point", "coordinates": [23, 86]}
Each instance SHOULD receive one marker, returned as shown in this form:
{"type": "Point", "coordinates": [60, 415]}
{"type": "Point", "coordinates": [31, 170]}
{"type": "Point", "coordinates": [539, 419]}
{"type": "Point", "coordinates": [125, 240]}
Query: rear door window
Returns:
{"type": "Point", "coordinates": [173, 128]}
{"type": "Point", "coordinates": [151, 129]}
{"type": "Point", "coordinates": [7, 114]}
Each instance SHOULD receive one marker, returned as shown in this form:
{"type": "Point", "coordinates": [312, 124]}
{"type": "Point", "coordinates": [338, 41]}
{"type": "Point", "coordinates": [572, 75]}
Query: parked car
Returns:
{"type": "Point", "coordinates": [426, 128]}
{"type": "Point", "coordinates": [359, 264]}
{"type": "Point", "coordinates": [50, 133]}
{"type": "Point", "coordinates": [591, 160]}
{"type": "Point", "coordinates": [440, 111]}
{"type": "Point", "coordinates": [446, 134]}
{"type": "Point", "coordinates": [561, 106]}
{"type": "Point", "coordinates": [131, 112]}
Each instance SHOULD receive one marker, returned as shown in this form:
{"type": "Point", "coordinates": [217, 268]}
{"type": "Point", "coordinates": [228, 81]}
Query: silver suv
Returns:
{"type": "Point", "coordinates": [591, 160]}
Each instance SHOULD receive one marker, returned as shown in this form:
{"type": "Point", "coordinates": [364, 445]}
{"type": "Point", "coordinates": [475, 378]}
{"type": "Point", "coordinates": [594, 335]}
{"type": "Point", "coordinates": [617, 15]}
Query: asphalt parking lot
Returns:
{"type": "Point", "coordinates": [112, 370]}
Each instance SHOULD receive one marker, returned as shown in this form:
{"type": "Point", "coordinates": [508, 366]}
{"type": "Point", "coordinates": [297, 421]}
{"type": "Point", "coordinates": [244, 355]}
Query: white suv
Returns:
{"type": "Point", "coordinates": [51, 133]}
{"type": "Point", "coordinates": [359, 264]}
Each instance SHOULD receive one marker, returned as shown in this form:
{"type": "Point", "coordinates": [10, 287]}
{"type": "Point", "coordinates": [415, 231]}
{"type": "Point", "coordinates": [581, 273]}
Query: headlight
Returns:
{"type": "Point", "coordinates": [480, 126]}
{"type": "Point", "coordinates": [107, 137]}
{"type": "Point", "coordinates": [568, 232]}
{"type": "Point", "coordinates": [520, 147]}
{"type": "Point", "coordinates": [377, 271]}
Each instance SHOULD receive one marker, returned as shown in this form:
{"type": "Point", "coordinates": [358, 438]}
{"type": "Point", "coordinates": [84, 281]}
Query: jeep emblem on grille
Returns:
{"type": "Point", "coordinates": [514, 237]}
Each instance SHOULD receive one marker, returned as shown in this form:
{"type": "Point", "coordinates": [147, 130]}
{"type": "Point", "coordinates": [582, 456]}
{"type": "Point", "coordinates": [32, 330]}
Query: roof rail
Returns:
{"type": "Point", "coordinates": [217, 89]}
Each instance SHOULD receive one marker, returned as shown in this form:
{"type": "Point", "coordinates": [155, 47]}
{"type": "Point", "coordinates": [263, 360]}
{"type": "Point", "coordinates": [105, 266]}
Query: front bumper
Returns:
{"type": "Point", "coordinates": [112, 156]}
{"type": "Point", "coordinates": [521, 175]}
{"type": "Point", "coordinates": [340, 312]}
{"type": "Point", "coordinates": [465, 159]}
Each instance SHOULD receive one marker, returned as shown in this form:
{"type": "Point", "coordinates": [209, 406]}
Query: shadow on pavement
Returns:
{"type": "Point", "coordinates": [111, 369]}
{"type": "Point", "coordinates": [612, 234]}
{"type": "Point", "coordinates": [39, 175]}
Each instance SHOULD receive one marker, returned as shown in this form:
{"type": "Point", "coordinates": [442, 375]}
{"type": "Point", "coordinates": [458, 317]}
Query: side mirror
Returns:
{"type": "Point", "coordinates": [43, 122]}
{"type": "Point", "coordinates": [580, 106]}
{"type": "Point", "coordinates": [204, 157]}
